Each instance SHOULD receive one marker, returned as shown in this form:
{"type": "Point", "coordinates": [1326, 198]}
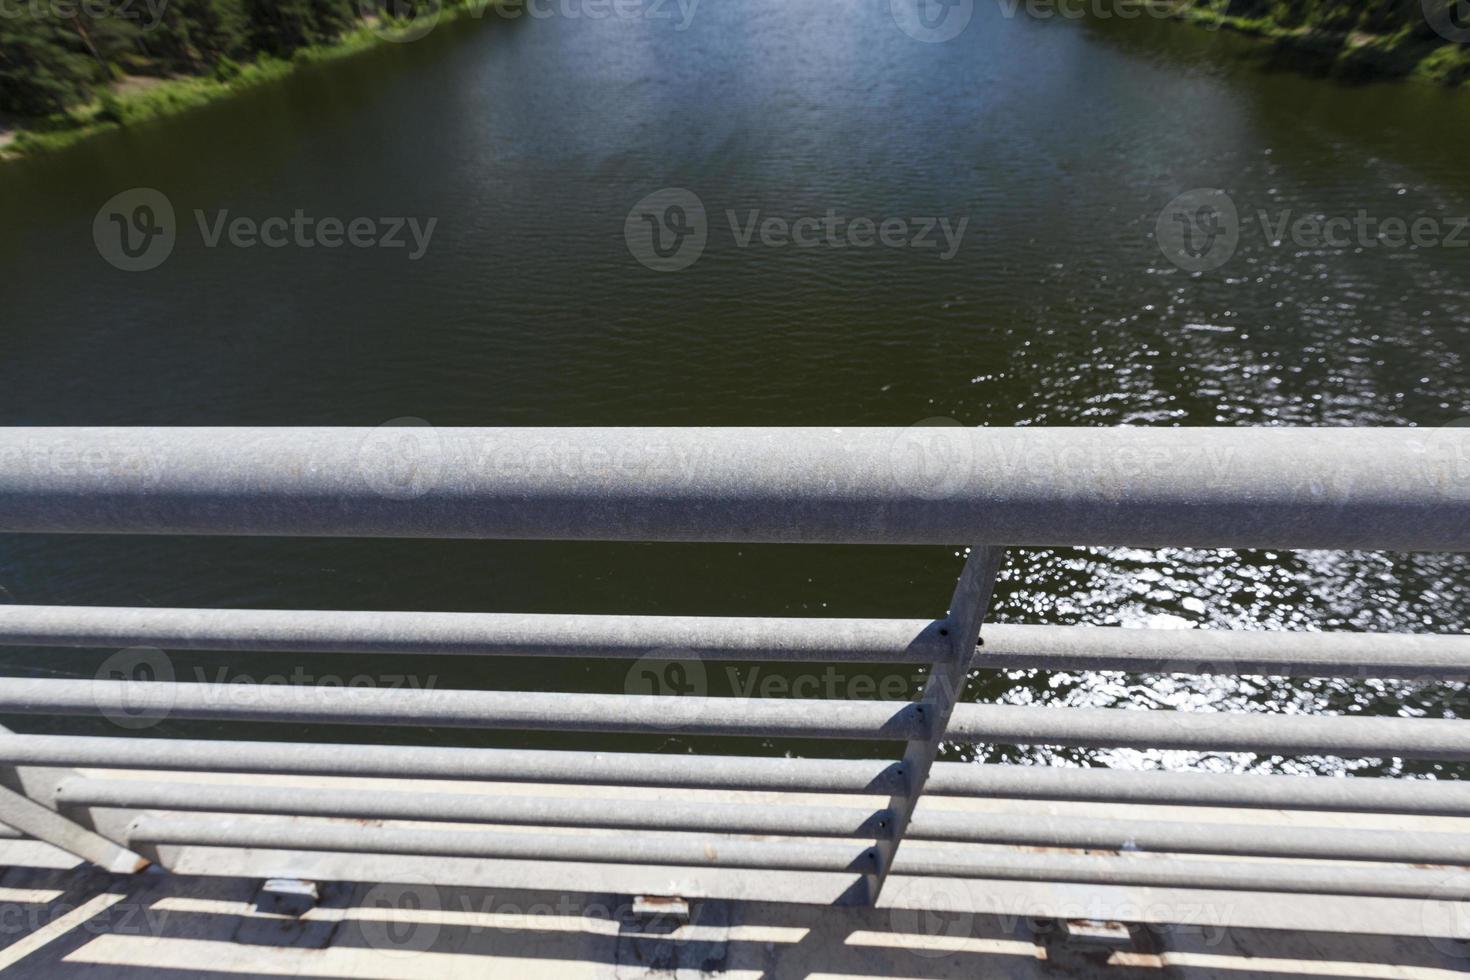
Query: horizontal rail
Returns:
{"type": "Point", "coordinates": [878, 778]}
{"type": "Point", "coordinates": [1269, 652]}
{"type": "Point", "coordinates": [1008, 724]}
{"type": "Point", "coordinates": [1444, 884]}
{"type": "Point", "coordinates": [1351, 737]}
{"type": "Point", "coordinates": [1345, 488]}
{"type": "Point", "coordinates": [1243, 840]}
{"type": "Point", "coordinates": [509, 634]}
{"type": "Point", "coordinates": [875, 777]}
{"type": "Point", "coordinates": [738, 638]}
{"type": "Point", "coordinates": [1354, 794]}
{"type": "Point", "coordinates": [150, 829]}
{"type": "Point", "coordinates": [640, 714]}
{"type": "Point", "coordinates": [791, 821]}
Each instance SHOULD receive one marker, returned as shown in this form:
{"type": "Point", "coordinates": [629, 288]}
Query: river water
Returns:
{"type": "Point", "coordinates": [1048, 147]}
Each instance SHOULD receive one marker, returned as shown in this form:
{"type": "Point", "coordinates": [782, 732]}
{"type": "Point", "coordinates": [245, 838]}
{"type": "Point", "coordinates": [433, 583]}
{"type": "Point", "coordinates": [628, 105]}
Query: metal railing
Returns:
{"type": "Point", "coordinates": [720, 822]}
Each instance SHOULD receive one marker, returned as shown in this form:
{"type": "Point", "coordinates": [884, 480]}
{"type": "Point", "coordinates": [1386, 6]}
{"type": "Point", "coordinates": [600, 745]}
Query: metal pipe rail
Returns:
{"type": "Point", "coordinates": [477, 634]}
{"type": "Point", "coordinates": [150, 829]}
{"type": "Point", "coordinates": [519, 710]}
{"type": "Point", "coordinates": [1353, 737]}
{"type": "Point", "coordinates": [641, 714]}
{"type": "Point", "coordinates": [987, 488]}
{"type": "Point", "coordinates": [1007, 647]}
{"type": "Point", "coordinates": [1253, 876]}
{"type": "Point", "coordinates": [1424, 797]}
{"type": "Point", "coordinates": [791, 821]}
{"type": "Point", "coordinates": [740, 773]}
{"type": "Point", "coordinates": [1386, 489]}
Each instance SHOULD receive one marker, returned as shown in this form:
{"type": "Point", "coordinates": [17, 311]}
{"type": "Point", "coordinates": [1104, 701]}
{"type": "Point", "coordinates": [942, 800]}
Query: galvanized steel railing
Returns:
{"type": "Point", "coordinates": [989, 489]}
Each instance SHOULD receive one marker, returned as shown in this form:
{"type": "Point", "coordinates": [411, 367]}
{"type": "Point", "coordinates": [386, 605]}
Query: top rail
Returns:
{"type": "Point", "coordinates": [1348, 488]}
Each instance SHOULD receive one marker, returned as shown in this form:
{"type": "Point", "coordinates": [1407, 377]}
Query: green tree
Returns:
{"type": "Point", "coordinates": [194, 36]}
{"type": "Point", "coordinates": [281, 26]}
{"type": "Point", "coordinates": [44, 66]}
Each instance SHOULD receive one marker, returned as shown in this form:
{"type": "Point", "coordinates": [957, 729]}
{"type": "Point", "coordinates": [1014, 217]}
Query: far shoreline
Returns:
{"type": "Point", "coordinates": [1346, 56]}
{"type": "Point", "coordinates": [134, 99]}
{"type": "Point", "coordinates": [139, 99]}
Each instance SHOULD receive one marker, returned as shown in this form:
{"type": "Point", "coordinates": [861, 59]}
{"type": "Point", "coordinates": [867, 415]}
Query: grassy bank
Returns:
{"type": "Point", "coordinates": [129, 104]}
{"type": "Point", "coordinates": [1343, 38]}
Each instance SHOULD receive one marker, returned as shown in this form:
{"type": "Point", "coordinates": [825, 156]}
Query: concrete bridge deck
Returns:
{"type": "Point", "coordinates": [60, 920]}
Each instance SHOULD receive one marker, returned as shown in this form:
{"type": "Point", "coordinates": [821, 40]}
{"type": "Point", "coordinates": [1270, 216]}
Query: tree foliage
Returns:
{"type": "Point", "coordinates": [53, 56]}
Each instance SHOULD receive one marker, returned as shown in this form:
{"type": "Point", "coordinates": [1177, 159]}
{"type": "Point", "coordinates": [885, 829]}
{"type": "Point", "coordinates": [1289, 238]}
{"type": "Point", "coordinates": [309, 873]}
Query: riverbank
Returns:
{"type": "Point", "coordinates": [133, 100]}
{"type": "Point", "coordinates": [1344, 41]}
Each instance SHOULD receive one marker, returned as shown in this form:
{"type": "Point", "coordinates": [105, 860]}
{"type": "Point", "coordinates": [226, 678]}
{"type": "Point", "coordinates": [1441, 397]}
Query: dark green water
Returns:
{"type": "Point", "coordinates": [1058, 142]}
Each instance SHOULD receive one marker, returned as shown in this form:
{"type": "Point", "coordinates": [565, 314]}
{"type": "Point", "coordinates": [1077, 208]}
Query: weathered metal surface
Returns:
{"type": "Point", "coordinates": [830, 718]}
{"type": "Point", "coordinates": [1354, 737]}
{"type": "Point", "coordinates": [945, 687]}
{"type": "Point", "coordinates": [1387, 489]}
{"type": "Point", "coordinates": [1368, 488]}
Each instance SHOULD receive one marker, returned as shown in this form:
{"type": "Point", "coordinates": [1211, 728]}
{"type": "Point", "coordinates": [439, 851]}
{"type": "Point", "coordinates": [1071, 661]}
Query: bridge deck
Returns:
{"type": "Point", "coordinates": [67, 921]}
{"type": "Point", "coordinates": [60, 918]}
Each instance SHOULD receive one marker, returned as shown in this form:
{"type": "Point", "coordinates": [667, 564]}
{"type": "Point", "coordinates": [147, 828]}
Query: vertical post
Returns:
{"type": "Point", "coordinates": [34, 820]}
{"type": "Point", "coordinates": [18, 808]}
{"type": "Point", "coordinates": [946, 685]}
